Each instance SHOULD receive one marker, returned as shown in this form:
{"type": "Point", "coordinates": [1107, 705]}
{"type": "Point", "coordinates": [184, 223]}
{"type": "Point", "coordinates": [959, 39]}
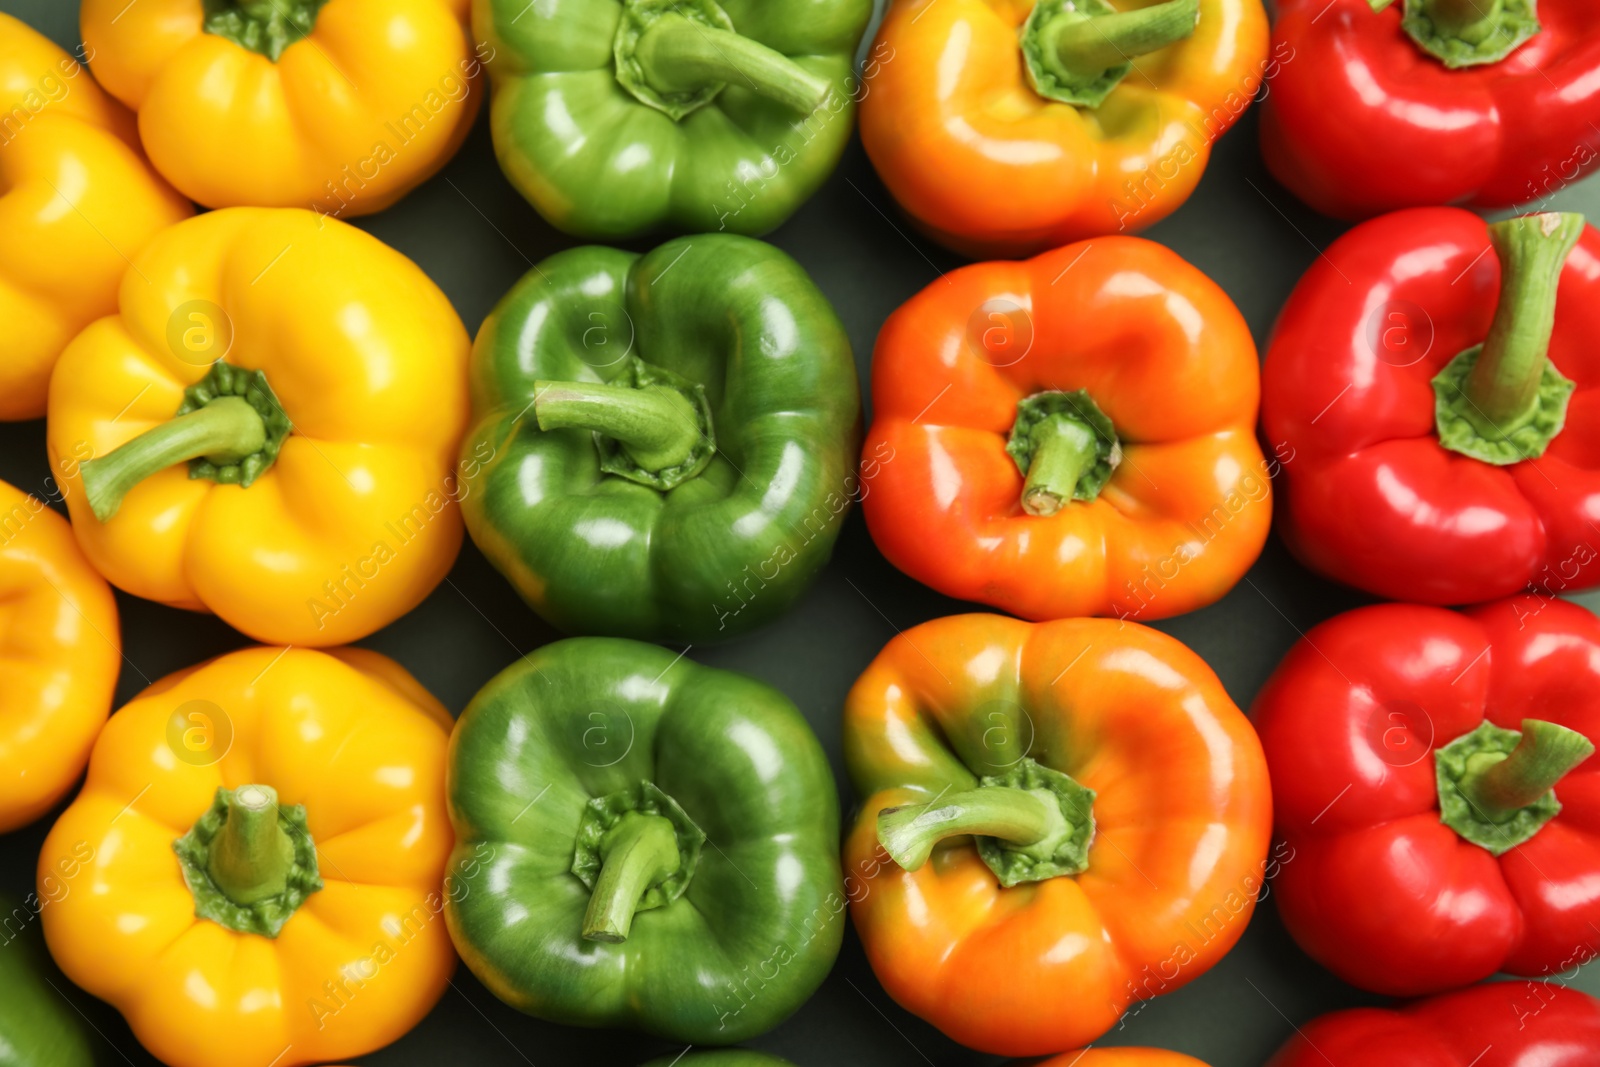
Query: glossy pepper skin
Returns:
{"type": "Point", "coordinates": [986, 164]}
{"type": "Point", "coordinates": [1177, 503]}
{"type": "Point", "coordinates": [63, 142]}
{"type": "Point", "coordinates": [336, 106]}
{"type": "Point", "coordinates": [711, 905]}
{"type": "Point", "coordinates": [355, 751]}
{"type": "Point", "coordinates": [1385, 891]}
{"type": "Point", "coordinates": [1373, 496]}
{"type": "Point", "coordinates": [1364, 121]}
{"type": "Point", "coordinates": [1499, 1024]}
{"type": "Point", "coordinates": [710, 509]}
{"type": "Point", "coordinates": [349, 518]}
{"type": "Point", "coordinates": [947, 733]}
{"type": "Point", "coordinates": [38, 1026]}
{"type": "Point", "coordinates": [726, 116]}
{"type": "Point", "coordinates": [62, 647]}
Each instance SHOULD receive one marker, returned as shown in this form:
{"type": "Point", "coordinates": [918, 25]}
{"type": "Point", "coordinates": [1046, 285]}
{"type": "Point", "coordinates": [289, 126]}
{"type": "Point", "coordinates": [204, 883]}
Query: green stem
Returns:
{"type": "Point", "coordinates": [1504, 384]}
{"type": "Point", "coordinates": [1501, 786]}
{"type": "Point", "coordinates": [1091, 46]}
{"type": "Point", "coordinates": [224, 431]}
{"type": "Point", "coordinates": [678, 55]}
{"type": "Point", "coordinates": [638, 852]}
{"type": "Point", "coordinates": [1467, 33]}
{"type": "Point", "coordinates": [251, 856]}
{"type": "Point", "coordinates": [656, 425]}
{"type": "Point", "coordinates": [1064, 451]}
{"type": "Point", "coordinates": [1019, 816]}
{"type": "Point", "coordinates": [266, 27]}
{"type": "Point", "coordinates": [1077, 51]}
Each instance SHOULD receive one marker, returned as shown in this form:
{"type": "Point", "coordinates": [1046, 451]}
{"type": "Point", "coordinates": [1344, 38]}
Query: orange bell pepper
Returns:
{"type": "Point", "coordinates": [1059, 819]}
{"type": "Point", "coordinates": [338, 106]}
{"type": "Point", "coordinates": [1123, 1057]}
{"type": "Point", "coordinates": [1006, 127]}
{"type": "Point", "coordinates": [254, 870]}
{"type": "Point", "coordinates": [61, 649]}
{"type": "Point", "coordinates": [1071, 435]}
{"type": "Point", "coordinates": [77, 202]}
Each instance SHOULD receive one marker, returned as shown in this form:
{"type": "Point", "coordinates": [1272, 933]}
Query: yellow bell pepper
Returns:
{"type": "Point", "coordinates": [76, 200]}
{"type": "Point", "coordinates": [268, 428]}
{"type": "Point", "coordinates": [338, 106]}
{"type": "Point", "coordinates": [299, 922]}
{"type": "Point", "coordinates": [60, 648]}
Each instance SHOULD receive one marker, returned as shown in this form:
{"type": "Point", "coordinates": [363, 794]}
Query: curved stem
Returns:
{"type": "Point", "coordinates": [1064, 451]}
{"type": "Point", "coordinates": [251, 856]}
{"type": "Point", "coordinates": [1018, 816]}
{"type": "Point", "coordinates": [678, 55]}
{"type": "Point", "coordinates": [1501, 787]}
{"type": "Point", "coordinates": [1503, 388]}
{"type": "Point", "coordinates": [638, 852]}
{"type": "Point", "coordinates": [657, 426]}
{"type": "Point", "coordinates": [224, 431]}
{"type": "Point", "coordinates": [1091, 46]}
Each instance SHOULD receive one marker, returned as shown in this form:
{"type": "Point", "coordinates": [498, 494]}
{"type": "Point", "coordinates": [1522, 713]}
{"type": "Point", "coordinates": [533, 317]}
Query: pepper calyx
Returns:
{"type": "Point", "coordinates": [229, 428]}
{"type": "Point", "coordinates": [1065, 446]}
{"type": "Point", "coordinates": [677, 55]}
{"type": "Point", "coordinates": [1078, 51]}
{"type": "Point", "coordinates": [249, 862]}
{"type": "Point", "coordinates": [1504, 401]}
{"type": "Point", "coordinates": [1497, 786]}
{"type": "Point", "coordinates": [650, 425]}
{"type": "Point", "coordinates": [1030, 824]}
{"type": "Point", "coordinates": [265, 27]}
{"type": "Point", "coordinates": [1469, 33]}
{"type": "Point", "coordinates": [636, 850]}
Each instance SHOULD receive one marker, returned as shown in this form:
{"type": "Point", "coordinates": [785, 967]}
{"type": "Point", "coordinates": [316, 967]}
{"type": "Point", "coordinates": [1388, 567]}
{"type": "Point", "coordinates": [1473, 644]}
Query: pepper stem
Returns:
{"type": "Point", "coordinates": [1501, 786]}
{"type": "Point", "coordinates": [1467, 33]}
{"type": "Point", "coordinates": [1504, 402]}
{"type": "Point", "coordinates": [655, 425]}
{"type": "Point", "coordinates": [636, 853]}
{"type": "Point", "coordinates": [1077, 53]}
{"type": "Point", "coordinates": [224, 432]}
{"type": "Point", "coordinates": [1091, 46]}
{"type": "Point", "coordinates": [1064, 451]}
{"type": "Point", "coordinates": [266, 27]}
{"type": "Point", "coordinates": [1019, 816]}
{"type": "Point", "coordinates": [681, 56]}
{"type": "Point", "coordinates": [251, 856]}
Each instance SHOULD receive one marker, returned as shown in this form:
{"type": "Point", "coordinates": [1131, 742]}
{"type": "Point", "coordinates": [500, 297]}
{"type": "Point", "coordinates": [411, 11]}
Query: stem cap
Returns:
{"type": "Point", "coordinates": [1488, 36]}
{"type": "Point", "coordinates": [1077, 51]}
{"type": "Point", "coordinates": [602, 814]}
{"type": "Point", "coordinates": [264, 915]}
{"type": "Point", "coordinates": [1065, 445]}
{"type": "Point", "coordinates": [1478, 775]}
{"type": "Point", "coordinates": [265, 27]}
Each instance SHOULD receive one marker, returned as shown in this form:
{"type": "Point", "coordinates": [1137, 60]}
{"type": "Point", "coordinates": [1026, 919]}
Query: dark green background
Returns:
{"type": "Point", "coordinates": [475, 236]}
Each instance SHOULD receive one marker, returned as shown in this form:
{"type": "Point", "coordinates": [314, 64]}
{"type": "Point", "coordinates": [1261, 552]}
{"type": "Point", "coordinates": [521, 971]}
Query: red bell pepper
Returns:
{"type": "Point", "coordinates": [1416, 466]}
{"type": "Point", "coordinates": [1502, 1024]}
{"type": "Point", "coordinates": [1451, 101]}
{"type": "Point", "coordinates": [1433, 778]}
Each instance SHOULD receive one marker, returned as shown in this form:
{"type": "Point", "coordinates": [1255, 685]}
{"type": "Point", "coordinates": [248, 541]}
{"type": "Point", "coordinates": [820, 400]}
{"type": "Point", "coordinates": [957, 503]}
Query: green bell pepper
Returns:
{"type": "Point", "coordinates": [39, 1027]}
{"type": "Point", "coordinates": [730, 1057]}
{"type": "Point", "coordinates": [616, 118]}
{"type": "Point", "coordinates": [642, 842]}
{"type": "Point", "coordinates": [664, 446]}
